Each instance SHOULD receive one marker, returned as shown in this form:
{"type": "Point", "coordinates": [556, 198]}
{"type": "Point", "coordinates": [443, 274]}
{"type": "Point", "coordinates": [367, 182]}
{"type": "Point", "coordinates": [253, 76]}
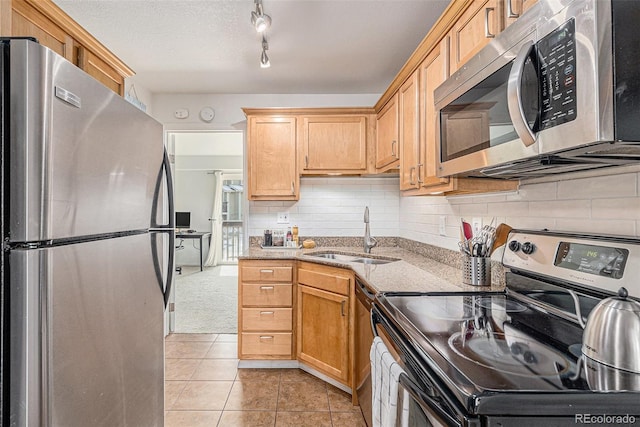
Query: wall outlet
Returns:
{"type": "Point", "coordinates": [476, 226]}
{"type": "Point", "coordinates": [442, 225]}
{"type": "Point", "coordinates": [283, 218]}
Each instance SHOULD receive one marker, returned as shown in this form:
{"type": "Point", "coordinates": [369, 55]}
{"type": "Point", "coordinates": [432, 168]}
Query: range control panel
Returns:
{"type": "Point", "coordinates": [602, 262]}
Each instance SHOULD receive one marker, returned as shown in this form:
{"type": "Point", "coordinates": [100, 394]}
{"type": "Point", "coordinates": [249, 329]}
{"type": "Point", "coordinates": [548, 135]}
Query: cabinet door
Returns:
{"type": "Point", "coordinates": [323, 331]}
{"type": "Point", "coordinates": [273, 174]}
{"type": "Point", "coordinates": [27, 21]}
{"type": "Point", "coordinates": [408, 100]}
{"type": "Point", "coordinates": [334, 144]}
{"type": "Point", "coordinates": [387, 150]}
{"type": "Point", "coordinates": [474, 29]}
{"type": "Point", "coordinates": [100, 70]}
{"type": "Point", "coordinates": [434, 70]}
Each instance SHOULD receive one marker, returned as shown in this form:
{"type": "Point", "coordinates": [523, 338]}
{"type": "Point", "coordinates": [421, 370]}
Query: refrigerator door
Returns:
{"type": "Point", "coordinates": [83, 161]}
{"type": "Point", "coordinates": [87, 334]}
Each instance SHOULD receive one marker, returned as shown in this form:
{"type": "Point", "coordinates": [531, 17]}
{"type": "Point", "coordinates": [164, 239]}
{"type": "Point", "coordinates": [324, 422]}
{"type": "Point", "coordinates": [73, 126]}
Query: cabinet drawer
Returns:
{"type": "Point", "coordinates": [266, 295]}
{"type": "Point", "coordinates": [267, 319]}
{"type": "Point", "coordinates": [267, 274]}
{"type": "Point", "coordinates": [266, 344]}
{"type": "Point", "coordinates": [328, 281]}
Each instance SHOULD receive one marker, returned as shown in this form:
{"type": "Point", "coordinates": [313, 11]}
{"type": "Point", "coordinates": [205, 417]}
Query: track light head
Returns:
{"type": "Point", "coordinates": [264, 59]}
{"type": "Point", "coordinates": [259, 19]}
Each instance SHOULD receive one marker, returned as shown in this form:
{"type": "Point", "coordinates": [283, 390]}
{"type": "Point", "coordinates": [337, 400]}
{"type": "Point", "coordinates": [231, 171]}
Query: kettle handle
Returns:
{"type": "Point", "coordinates": [576, 302]}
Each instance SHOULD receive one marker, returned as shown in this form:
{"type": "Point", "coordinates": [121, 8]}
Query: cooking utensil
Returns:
{"type": "Point", "coordinates": [467, 230]}
{"type": "Point", "coordinates": [502, 234]}
{"type": "Point", "coordinates": [611, 332]}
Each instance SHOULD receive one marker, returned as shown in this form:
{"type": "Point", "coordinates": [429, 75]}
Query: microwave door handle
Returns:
{"type": "Point", "coordinates": [514, 96]}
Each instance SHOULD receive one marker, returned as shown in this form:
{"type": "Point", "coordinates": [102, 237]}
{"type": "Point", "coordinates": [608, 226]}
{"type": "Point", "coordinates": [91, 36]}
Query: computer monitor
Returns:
{"type": "Point", "coordinates": [183, 219]}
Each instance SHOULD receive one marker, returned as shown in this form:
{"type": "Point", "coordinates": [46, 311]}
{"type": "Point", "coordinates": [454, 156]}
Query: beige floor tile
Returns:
{"type": "Point", "coordinates": [227, 338]}
{"type": "Point", "coordinates": [216, 369]}
{"type": "Point", "coordinates": [303, 419]}
{"type": "Point", "coordinates": [340, 401]}
{"type": "Point", "coordinates": [289, 375]}
{"type": "Point", "coordinates": [347, 419]}
{"type": "Point", "coordinates": [223, 350]}
{"type": "Point", "coordinates": [191, 418]}
{"type": "Point", "coordinates": [256, 374]}
{"type": "Point", "coordinates": [203, 395]}
{"type": "Point", "coordinates": [192, 337]}
{"type": "Point", "coordinates": [302, 396]}
{"type": "Point", "coordinates": [186, 349]}
{"type": "Point", "coordinates": [180, 369]}
{"type": "Point", "coordinates": [253, 395]}
{"type": "Point", "coordinates": [172, 390]}
{"type": "Point", "coordinates": [247, 419]}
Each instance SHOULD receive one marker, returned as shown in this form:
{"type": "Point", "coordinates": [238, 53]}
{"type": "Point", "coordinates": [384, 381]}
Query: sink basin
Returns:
{"type": "Point", "coordinates": [351, 258]}
{"type": "Point", "coordinates": [372, 260]}
{"type": "Point", "coordinates": [331, 255]}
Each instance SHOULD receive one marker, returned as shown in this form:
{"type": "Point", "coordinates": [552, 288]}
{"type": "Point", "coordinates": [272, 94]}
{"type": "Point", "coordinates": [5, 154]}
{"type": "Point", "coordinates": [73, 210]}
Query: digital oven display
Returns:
{"type": "Point", "coordinates": [592, 259]}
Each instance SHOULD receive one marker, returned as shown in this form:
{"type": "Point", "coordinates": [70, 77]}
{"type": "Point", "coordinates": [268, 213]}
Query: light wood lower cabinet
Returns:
{"type": "Point", "coordinates": [265, 308]}
{"type": "Point", "coordinates": [324, 323]}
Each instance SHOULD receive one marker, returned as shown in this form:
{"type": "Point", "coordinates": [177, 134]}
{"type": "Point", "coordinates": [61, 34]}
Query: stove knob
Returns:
{"type": "Point", "coordinates": [514, 245]}
{"type": "Point", "coordinates": [529, 357]}
{"type": "Point", "coordinates": [528, 248]}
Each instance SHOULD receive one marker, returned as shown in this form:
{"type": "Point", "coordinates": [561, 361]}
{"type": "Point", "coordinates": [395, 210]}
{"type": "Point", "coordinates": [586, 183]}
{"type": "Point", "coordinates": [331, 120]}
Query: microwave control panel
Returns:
{"type": "Point", "coordinates": [557, 73]}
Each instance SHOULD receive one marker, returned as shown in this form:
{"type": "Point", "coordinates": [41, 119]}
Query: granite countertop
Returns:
{"type": "Point", "coordinates": [412, 272]}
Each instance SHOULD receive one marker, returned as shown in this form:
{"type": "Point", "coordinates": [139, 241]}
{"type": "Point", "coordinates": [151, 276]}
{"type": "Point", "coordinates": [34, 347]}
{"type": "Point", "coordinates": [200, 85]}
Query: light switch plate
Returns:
{"type": "Point", "coordinates": [283, 218]}
{"type": "Point", "coordinates": [442, 225]}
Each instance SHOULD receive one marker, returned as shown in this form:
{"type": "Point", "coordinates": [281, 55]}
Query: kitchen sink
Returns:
{"type": "Point", "coordinates": [373, 260]}
{"type": "Point", "coordinates": [351, 258]}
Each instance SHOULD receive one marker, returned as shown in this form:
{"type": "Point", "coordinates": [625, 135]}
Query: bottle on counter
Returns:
{"type": "Point", "coordinates": [295, 236]}
{"type": "Point", "coordinates": [289, 239]}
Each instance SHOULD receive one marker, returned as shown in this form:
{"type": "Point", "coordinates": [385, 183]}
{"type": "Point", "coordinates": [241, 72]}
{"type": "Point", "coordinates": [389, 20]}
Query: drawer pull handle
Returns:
{"type": "Point", "coordinates": [266, 271]}
{"type": "Point", "coordinates": [266, 337]}
{"type": "Point", "coordinates": [266, 288]}
{"type": "Point", "coordinates": [487, 33]}
{"type": "Point", "coordinates": [266, 313]}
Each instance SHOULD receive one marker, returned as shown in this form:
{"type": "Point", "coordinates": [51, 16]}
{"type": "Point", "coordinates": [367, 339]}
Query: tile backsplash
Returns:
{"type": "Point", "coordinates": [334, 206]}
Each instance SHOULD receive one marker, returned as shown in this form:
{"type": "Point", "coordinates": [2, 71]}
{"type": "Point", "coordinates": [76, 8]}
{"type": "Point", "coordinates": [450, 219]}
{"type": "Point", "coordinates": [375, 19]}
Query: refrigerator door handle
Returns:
{"type": "Point", "coordinates": [164, 288]}
{"type": "Point", "coordinates": [164, 174]}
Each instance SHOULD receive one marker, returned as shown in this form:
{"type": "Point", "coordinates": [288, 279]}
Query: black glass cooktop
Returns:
{"type": "Point", "coordinates": [493, 342]}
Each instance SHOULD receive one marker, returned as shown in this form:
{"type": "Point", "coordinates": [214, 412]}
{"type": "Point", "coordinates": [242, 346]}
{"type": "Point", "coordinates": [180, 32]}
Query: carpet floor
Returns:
{"type": "Point", "coordinates": [207, 301]}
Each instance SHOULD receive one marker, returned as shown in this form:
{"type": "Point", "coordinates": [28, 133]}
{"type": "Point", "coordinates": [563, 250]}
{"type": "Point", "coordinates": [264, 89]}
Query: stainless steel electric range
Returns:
{"type": "Point", "coordinates": [514, 357]}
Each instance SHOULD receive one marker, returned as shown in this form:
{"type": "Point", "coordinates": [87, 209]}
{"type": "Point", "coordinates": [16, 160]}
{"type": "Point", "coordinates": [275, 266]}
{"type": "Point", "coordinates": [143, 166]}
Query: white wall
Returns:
{"type": "Point", "coordinates": [228, 107]}
{"type": "Point", "coordinates": [333, 206]}
{"type": "Point", "coordinates": [606, 205]}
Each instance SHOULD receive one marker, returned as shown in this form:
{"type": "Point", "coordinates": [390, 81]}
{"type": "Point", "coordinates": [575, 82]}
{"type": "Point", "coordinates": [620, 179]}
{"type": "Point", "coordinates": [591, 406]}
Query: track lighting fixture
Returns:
{"type": "Point", "coordinates": [264, 59]}
{"type": "Point", "coordinates": [259, 19]}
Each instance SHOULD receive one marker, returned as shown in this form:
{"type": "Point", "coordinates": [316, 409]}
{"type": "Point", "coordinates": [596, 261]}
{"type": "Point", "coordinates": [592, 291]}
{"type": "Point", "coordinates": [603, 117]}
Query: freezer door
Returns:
{"type": "Point", "coordinates": [83, 161]}
{"type": "Point", "coordinates": [87, 336]}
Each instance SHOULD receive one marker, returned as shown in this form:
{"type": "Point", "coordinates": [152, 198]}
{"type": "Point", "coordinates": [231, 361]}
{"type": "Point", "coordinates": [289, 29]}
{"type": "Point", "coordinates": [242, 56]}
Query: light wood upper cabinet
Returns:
{"type": "Point", "coordinates": [434, 70]}
{"type": "Point", "coordinates": [53, 28]}
{"type": "Point", "coordinates": [513, 9]}
{"type": "Point", "coordinates": [333, 144]}
{"type": "Point", "coordinates": [387, 137]}
{"type": "Point", "coordinates": [409, 111]}
{"type": "Point", "coordinates": [272, 166]}
{"type": "Point", "coordinates": [324, 321]}
{"type": "Point", "coordinates": [480, 23]}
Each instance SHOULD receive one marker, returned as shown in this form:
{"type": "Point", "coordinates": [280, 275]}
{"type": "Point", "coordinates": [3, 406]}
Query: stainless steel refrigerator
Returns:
{"type": "Point", "coordinates": [88, 257]}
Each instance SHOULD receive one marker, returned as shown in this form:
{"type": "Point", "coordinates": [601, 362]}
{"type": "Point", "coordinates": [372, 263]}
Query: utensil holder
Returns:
{"type": "Point", "coordinates": [476, 271]}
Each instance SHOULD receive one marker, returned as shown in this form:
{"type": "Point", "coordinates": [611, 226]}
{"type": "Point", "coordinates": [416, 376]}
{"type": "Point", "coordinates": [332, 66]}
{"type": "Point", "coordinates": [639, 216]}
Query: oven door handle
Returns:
{"type": "Point", "coordinates": [514, 96]}
{"type": "Point", "coordinates": [425, 401]}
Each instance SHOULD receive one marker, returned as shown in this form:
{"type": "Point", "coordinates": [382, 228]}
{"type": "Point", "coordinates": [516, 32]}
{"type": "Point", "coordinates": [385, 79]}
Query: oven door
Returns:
{"type": "Point", "coordinates": [490, 118]}
{"type": "Point", "coordinates": [421, 399]}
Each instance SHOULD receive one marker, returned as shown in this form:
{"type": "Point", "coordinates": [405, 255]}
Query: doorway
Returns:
{"type": "Point", "coordinates": [208, 185]}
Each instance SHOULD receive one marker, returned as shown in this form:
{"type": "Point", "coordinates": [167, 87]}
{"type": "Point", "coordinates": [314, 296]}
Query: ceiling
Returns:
{"type": "Point", "coordinates": [210, 46]}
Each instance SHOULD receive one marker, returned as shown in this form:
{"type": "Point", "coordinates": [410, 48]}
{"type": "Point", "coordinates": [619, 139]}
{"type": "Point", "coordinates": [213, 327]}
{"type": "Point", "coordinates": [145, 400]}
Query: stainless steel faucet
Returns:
{"type": "Point", "coordinates": [369, 242]}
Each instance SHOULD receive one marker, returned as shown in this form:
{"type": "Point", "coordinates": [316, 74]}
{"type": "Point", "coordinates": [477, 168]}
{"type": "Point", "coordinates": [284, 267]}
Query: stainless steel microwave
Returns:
{"type": "Point", "coordinates": [557, 91]}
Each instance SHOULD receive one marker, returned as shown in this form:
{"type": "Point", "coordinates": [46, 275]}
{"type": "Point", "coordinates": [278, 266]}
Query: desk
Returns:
{"type": "Point", "coordinates": [195, 235]}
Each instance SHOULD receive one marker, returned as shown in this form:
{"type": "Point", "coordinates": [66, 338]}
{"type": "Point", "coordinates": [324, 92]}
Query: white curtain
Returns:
{"type": "Point", "coordinates": [215, 247]}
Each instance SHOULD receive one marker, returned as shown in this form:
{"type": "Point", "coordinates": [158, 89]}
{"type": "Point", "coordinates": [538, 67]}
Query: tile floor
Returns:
{"type": "Point", "coordinates": [204, 387]}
